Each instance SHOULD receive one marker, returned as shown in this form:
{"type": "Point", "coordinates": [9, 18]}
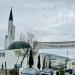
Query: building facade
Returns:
{"type": "Point", "coordinates": [71, 64]}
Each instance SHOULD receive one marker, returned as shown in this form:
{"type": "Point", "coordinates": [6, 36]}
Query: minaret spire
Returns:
{"type": "Point", "coordinates": [11, 16]}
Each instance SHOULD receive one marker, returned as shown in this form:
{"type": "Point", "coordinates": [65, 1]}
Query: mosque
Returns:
{"type": "Point", "coordinates": [9, 54]}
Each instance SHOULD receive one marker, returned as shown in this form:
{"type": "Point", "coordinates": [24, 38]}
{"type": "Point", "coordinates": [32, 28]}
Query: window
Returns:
{"type": "Point", "coordinates": [73, 63]}
{"type": "Point", "coordinates": [2, 54]}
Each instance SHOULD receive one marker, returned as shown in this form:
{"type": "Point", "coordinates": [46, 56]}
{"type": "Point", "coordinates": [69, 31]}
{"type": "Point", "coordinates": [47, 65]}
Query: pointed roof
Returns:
{"type": "Point", "coordinates": [11, 16]}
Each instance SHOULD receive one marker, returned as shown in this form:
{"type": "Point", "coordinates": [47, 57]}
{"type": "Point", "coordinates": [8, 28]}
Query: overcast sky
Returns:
{"type": "Point", "coordinates": [48, 20]}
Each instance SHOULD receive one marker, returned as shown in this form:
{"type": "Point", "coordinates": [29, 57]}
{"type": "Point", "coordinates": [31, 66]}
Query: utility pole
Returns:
{"type": "Point", "coordinates": [67, 55]}
{"type": "Point", "coordinates": [66, 60]}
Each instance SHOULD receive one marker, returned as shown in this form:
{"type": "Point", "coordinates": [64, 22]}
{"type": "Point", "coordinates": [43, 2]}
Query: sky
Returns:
{"type": "Point", "coordinates": [48, 20]}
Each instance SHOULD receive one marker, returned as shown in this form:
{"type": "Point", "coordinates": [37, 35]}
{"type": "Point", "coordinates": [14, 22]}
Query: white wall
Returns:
{"type": "Point", "coordinates": [10, 59]}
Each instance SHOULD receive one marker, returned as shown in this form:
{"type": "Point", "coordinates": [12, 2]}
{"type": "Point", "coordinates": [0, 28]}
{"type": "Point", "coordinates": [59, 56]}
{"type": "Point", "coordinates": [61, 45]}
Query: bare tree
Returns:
{"type": "Point", "coordinates": [30, 39]}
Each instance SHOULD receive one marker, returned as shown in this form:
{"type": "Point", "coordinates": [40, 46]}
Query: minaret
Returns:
{"type": "Point", "coordinates": [10, 37]}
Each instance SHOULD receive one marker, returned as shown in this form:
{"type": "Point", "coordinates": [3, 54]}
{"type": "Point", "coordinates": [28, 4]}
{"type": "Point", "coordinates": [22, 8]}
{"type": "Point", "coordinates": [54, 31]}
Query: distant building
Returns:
{"type": "Point", "coordinates": [10, 37]}
{"type": "Point", "coordinates": [71, 64]}
{"type": "Point", "coordinates": [56, 61]}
